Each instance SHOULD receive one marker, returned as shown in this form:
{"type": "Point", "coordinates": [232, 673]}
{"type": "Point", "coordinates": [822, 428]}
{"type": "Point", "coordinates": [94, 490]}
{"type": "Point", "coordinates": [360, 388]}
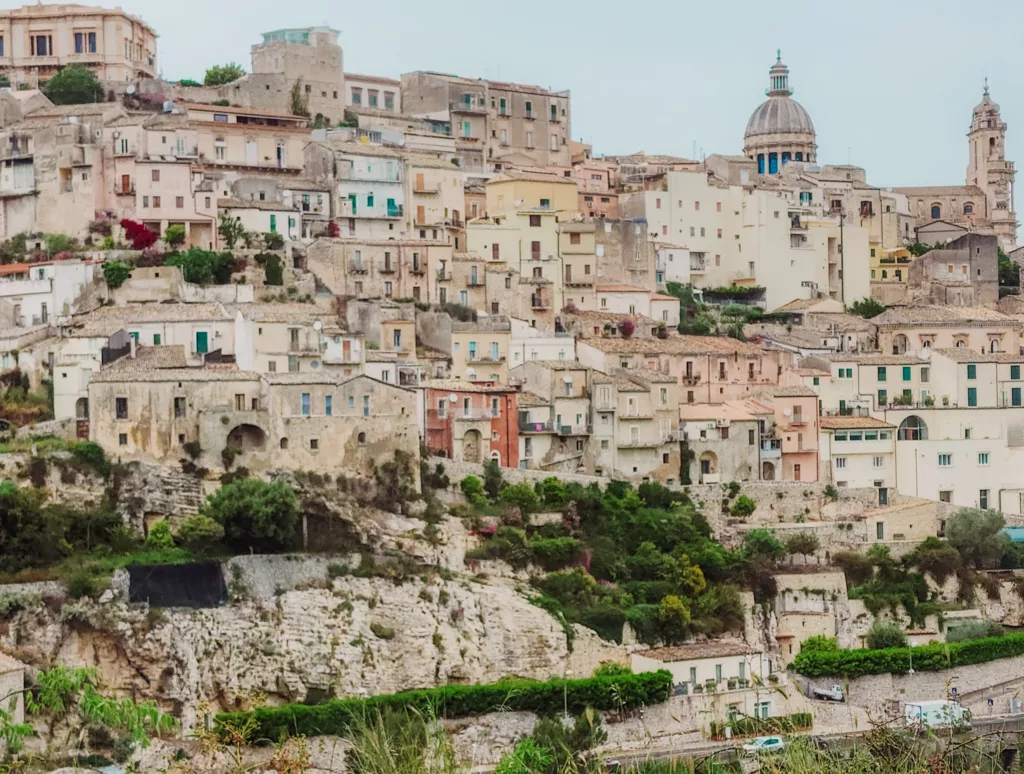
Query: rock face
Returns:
{"type": "Point", "coordinates": [295, 633]}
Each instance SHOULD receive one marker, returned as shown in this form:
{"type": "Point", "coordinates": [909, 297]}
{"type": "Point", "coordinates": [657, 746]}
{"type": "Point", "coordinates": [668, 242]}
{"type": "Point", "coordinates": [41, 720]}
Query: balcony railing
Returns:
{"type": "Point", "coordinates": [475, 357]}
{"type": "Point", "coordinates": [443, 276]}
{"type": "Point", "coordinates": [121, 190]}
{"type": "Point", "coordinates": [771, 448]}
{"type": "Point", "coordinates": [396, 212]}
{"type": "Point", "coordinates": [473, 415]}
{"type": "Point", "coordinates": [357, 267]}
{"type": "Point", "coordinates": [584, 281]}
{"type": "Point", "coordinates": [540, 303]}
{"type": "Point", "coordinates": [536, 427]}
{"type": "Point", "coordinates": [473, 106]}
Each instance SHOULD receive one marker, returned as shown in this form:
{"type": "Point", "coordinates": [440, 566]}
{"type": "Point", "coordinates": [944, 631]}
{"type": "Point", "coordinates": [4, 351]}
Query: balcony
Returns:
{"type": "Point", "coordinates": [475, 282]}
{"type": "Point", "coordinates": [635, 414]}
{"type": "Point", "coordinates": [642, 443]}
{"type": "Point", "coordinates": [474, 415]}
{"type": "Point", "coordinates": [797, 225]}
{"type": "Point", "coordinates": [771, 448]}
{"type": "Point", "coordinates": [409, 377]}
{"type": "Point", "coordinates": [472, 107]}
{"type": "Point", "coordinates": [395, 212]}
{"type": "Point", "coordinates": [711, 478]}
{"type": "Point", "coordinates": [121, 190]}
{"type": "Point", "coordinates": [697, 267]}
{"type": "Point", "coordinates": [387, 269]}
{"type": "Point", "coordinates": [797, 420]}
{"type": "Point", "coordinates": [536, 427]}
{"type": "Point", "coordinates": [380, 176]}
{"type": "Point", "coordinates": [475, 357]}
{"type": "Point", "coordinates": [567, 430]}
{"type": "Point", "coordinates": [356, 267]}
{"type": "Point", "coordinates": [540, 303]}
{"type": "Point", "coordinates": [427, 190]}
{"type": "Point", "coordinates": [443, 276]}
{"type": "Point", "coordinates": [584, 281]}
{"type": "Point", "coordinates": [690, 379]}
{"type": "Point", "coordinates": [419, 268]}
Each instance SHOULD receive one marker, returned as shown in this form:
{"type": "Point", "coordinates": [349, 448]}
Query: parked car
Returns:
{"type": "Point", "coordinates": [921, 715]}
{"type": "Point", "coordinates": [835, 693]}
{"type": "Point", "coordinates": [764, 744]}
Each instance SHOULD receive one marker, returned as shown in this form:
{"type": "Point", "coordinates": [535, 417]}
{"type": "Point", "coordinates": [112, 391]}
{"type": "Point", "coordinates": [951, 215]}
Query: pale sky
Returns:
{"type": "Point", "coordinates": [889, 85]}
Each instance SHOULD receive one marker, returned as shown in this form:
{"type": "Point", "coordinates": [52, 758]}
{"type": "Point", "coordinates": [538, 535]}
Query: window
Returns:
{"type": "Point", "coordinates": [145, 201]}
{"type": "Point", "coordinates": [121, 408]}
{"type": "Point", "coordinates": [366, 405]}
{"type": "Point", "coordinates": [329, 405]}
{"type": "Point", "coordinates": [156, 339]}
{"type": "Point", "coordinates": [881, 373]}
{"type": "Point", "coordinates": [926, 374]}
{"type": "Point", "coordinates": [936, 212]}
{"type": "Point", "coordinates": [1015, 372]}
{"type": "Point", "coordinates": [122, 439]}
{"type": "Point", "coordinates": [751, 438]}
{"type": "Point", "coordinates": [840, 463]}
{"type": "Point", "coordinates": [945, 460]}
{"type": "Point", "coordinates": [156, 201]}
{"type": "Point", "coordinates": [155, 174]}
{"type": "Point", "coordinates": [879, 530]}
{"type": "Point", "coordinates": [314, 443]}
{"type": "Point", "coordinates": [535, 221]}
{"type": "Point", "coordinates": [179, 202]}
{"type": "Point", "coordinates": [305, 404]}
{"type": "Point", "coordinates": [906, 373]}
{"type": "Point", "coordinates": [357, 96]}
{"type": "Point", "coordinates": [972, 397]}
{"type": "Point", "coordinates": [179, 408]}
{"type": "Point", "coordinates": [284, 443]}
{"type": "Point", "coordinates": [972, 371]}
{"type": "Point", "coordinates": [983, 499]}
{"type": "Point", "coordinates": [878, 462]}
{"type": "Point", "coordinates": [883, 397]}
{"type": "Point", "coordinates": [983, 458]}
{"type": "Point", "coordinates": [1015, 396]}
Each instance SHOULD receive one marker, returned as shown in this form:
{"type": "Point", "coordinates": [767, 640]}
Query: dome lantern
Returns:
{"type": "Point", "coordinates": [780, 130]}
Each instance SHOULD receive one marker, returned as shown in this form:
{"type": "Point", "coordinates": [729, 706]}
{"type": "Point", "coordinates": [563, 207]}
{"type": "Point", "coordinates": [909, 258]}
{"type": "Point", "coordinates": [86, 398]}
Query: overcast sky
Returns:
{"type": "Point", "coordinates": [889, 85]}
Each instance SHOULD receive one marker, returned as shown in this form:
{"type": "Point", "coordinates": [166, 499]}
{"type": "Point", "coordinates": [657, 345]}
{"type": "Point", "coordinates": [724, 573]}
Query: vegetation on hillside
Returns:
{"type": "Point", "coordinates": [866, 308]}
{"type": "Point", "coordinates": [74, 84]}
{"type": "Point", "coordinates": [218, 75]}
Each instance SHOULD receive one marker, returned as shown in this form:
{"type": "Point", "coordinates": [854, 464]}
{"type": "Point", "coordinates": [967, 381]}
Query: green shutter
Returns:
{"type": "Point", "coordinates": [882, 398]}
{"type": "Point", "coordinates": [881, 373]}
{"type": "Point", "coordinates": [156, 339]}
{"type": "Point", "coordinates": [906, 373]}
{"type": "Point", "coordinates": [972, 371]}
{"type": "Point", "coordinates": [1015, 396]}
{"type": "Point", "coordinates": [1015, 372]}
{"type": "Point", "coordinates": [972, 396]}
{"type": "Point", "coordinates": [202, 341]}
{"type": "Point", "coordinates": [273, 223]}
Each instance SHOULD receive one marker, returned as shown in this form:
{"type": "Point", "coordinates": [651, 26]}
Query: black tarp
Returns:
{"type": "Point", "coordinates": [199, 584]}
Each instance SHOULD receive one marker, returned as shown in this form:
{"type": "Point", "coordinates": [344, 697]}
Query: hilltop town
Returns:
{"type": "Point", "coordinates": [319, 387]}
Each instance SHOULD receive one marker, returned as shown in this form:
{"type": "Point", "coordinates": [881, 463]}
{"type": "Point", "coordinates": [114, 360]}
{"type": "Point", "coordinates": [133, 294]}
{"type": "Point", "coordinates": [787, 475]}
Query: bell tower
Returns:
{"type": "Point", "coordinates": [988, 169]}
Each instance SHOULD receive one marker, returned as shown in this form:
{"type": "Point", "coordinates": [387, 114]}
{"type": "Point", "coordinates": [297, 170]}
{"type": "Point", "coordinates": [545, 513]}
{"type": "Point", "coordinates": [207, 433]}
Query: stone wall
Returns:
{"type": "Point", "coordinates": [459, 470]}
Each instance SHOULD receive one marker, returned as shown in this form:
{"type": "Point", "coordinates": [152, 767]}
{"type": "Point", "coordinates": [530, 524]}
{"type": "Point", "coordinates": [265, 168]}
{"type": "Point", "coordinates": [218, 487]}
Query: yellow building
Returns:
{"type": "Point", "coordinates": [480, 350]}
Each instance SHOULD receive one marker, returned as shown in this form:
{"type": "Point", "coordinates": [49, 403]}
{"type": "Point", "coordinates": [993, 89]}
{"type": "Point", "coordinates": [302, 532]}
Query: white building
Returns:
{"type": "Point", "coordinates": [527, 343]}
{"type": "Point", "coordinates": [858, 452]}
{"type": "Point", "coordinates": [370, 191]}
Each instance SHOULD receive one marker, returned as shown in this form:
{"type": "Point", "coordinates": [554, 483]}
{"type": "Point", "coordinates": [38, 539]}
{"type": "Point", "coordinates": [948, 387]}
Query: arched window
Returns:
{"type": "Point", "coordinates": [799, 156]}
{"type": "Point", "coordinates": [912, 429]}
{"type": "Point", "coordinates": [968, 209]}
{"type": "Point", "coordinates": [994, 347]}
{"type": "Point", "coordinates": [961, 344]}
{"type": "Point", "coordinates": [362, 439]}
{"type": "Point", "coordinates": [786, 157]}
{"type": "Point", "coordinates": [936, 212]}
{"type": "Point", "coordinates": [284, 443]}
{"type": "Point", "coordinates": [760, 163]}
{"type": "Point", "coordinates": [773, 163]}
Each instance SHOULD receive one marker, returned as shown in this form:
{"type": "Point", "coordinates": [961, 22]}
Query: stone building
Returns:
{"type": "Point", "coordinates": [37, 40]}
{"type": "Point", "coordinates": [373, 92]}
{"type": "Point", "coordinates": [724, 443]}
{"type": "Point", "coordinates": [555, 418]}
{"type": "Point", "coordinates": [965, 272]}
{"type": "Point", "coordinates": [492, 121]}
{"type": "Point", "coordinates": [469, 422]}
{"type": "Point", "coordinates": [380, 268]}
{"type": "Point", "coordinates": [986, 201]}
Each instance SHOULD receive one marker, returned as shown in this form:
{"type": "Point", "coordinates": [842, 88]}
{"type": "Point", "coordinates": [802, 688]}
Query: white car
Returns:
{"type": "Point", "coordinates": [764, 744]}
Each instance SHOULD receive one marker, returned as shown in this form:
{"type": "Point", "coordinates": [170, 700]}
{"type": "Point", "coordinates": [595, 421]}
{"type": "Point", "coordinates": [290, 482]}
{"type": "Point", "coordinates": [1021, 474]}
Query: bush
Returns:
{"type": "Point", "coordinates": [927, 658]}
{"type": "Point", "coordinates": [139, 236]}
{"type": "Point", "coordinates": [781, 724]}
{"type": "Point", "coordinates": [744, 506]}
{"type": "Point", "coordinates": [199, 532]}
{"type": "Point", "coordinates": [83, 582]}
{"type": "Point", "coordinates": [115, 273]}
{"type": "Point", "coordinates": [975, 630]}
{"type": "Point", "coordinates": [92, 454]}
{"type": "Point", "coordinates": [174, 235]}
{"type": "Point", "coordinates": [493, 481]}
{"type": "Point", "coordinates": [203, 267]}
{"type": "Point", "coordinates": [473, 490]}
{"type": "Point", "coordinates": [820, 643]}
{"type": "Point", "coordinates": [273, 270]}
{"type": "Point", "coordinates": [554, 553]}
{"type": "Point", "coordinates": [522, 496]}
{"type": "Point", "coordinates": [256, 515]}
{"type": "Point", "coordinates": [160, 538]}
{"type": "Point", "coordinates": [551, 492]}
{"type": "Point", "coordinates": [615, 692]}
{"type": "Point", "coordinates": [886, 634]}
{"type": "Point", "coordinates": [74, 84]}
{"type": "Point", "coordinates": [273, 241]}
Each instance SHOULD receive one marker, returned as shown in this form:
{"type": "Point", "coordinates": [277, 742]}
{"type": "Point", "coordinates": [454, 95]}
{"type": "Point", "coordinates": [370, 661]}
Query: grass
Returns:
{"type": "Point", "coordinates": [99, 565]}
{"type": "Point", "coordinates": [45, 445]}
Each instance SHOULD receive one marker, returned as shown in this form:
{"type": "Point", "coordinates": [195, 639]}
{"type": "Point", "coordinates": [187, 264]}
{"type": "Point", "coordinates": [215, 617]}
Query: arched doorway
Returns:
{"type": "Point", "coordinates": [247, 438]}
{"type": "Point", "coordinates": [708, 468]}
{"type": "Point", "coordinates": [471, 446]}
{"type": "Point", "coordinates": [899, 344]}
{"type": "Point", "coordinates": [767, 471]}
{"type": "Point", "coordinates": [912, 428]}
{"type": "Point", "coordinates": [82, 408]}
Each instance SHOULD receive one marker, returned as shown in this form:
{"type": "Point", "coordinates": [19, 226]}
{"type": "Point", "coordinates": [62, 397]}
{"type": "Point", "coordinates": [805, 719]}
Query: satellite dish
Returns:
{"type": "Point", "coordinates": [786, 412]}
{"type": "Point", "coordinates": [925, 353]}
{"type": "Point", "coordinates": [453, 398]}
{"type": "Point", "coordinates": [318, 326]}
{"type": "Point", "coordinates": [129, 89]}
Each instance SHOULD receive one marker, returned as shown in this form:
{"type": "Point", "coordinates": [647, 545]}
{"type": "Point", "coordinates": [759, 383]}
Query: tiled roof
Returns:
{"type": "Point", "coordinates": [793, 391]}
{"type": "Point", "coordinates": [240, 110]}
{"type": "Point", "coordinates": [527, 399]}
{"type": "Point", "coordinates": [798, 304]}
{"type": "Point", "coordinates": [940, 190]}
{"type": "Point", "coordinates": [455, 385]}
{"type": "Point", "coordinates": [360, 149]}
{"type": "Point", "coordinates": [662, 297]}
{"type": "Point", "coordinates": [534, 177]}
{"type": "Point", "coordinates": [675, 345]}
{"type": "Point", "coordinates": [127, 370]}
{"type": "Point", "coordinates": [809, 372]}
{"type": "Point", "coordinates": [875, 358]}
{"type": "Point", "coordinates": [166, 356]}
{"type": "Point", "coordinates": [557, 365]}
{"type": "Point", "coordinates": [650, 375]}
{"type": "Point", "coordinates": [619, 289]}
{"type": "Point", "coordinates": [694, 412]}
{"type": "Point", "coordinates": [588, 315]}
{"type": "Point", "coordinates": [373, 79]}
{"type": "Point", "coordinates": [281, 313]}
{"type": "Point", "coordinates": [711, 649]}
{"type": "Point", "coordinates": [842, 423]}
{"type": "Point", "coordinates": [138, 313]}
{"type": "Point", "coordinates": [905, 315]}
{"type": "Point", "coordinates": [958, 355]}
{"type": "Point", "coordinates": [254, 204]}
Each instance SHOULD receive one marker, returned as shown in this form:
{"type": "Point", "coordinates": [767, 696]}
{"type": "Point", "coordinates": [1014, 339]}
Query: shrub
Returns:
{"type": "Point", "coordinates": [522, 496]}
{"type": "Point", "coordinates": [84, 582]}
{"type": "Point", "coordinates": [160, 537]}
{"type": "Point", "coordinates": [744, 506]}
{"type": "Point", "coordinates": [382, 632]}
{"type": "Point", "coordinates": [139, 236]}
{"type": "Point", "coordinates": [493, 481]}
{"type": "Point", "coordinates": [781, 724]}
{"type": "Point", "coordinates": [174, 235]}
{"type": "Point", "coordinates": [193, 449]}
{"type": "Point", "coordinates": [273, 241]}
{"type": "Point", "coordinates": [554, 553]}
{"type": "Point", "coordinates": [975, 630]}
{"type": "Point", "coordinates": [115, 273]}
{"type": "Point", "coordinates": [551, 492]}
{"type": "Point", "coordinates": [92, 454]}
{"type": "Point", "coordinates": [614, 692]}
{"type": "Point", "coordinates": [256, 515]}
{"type": "Point", "coordinates": [74, 84]}
{"type": "Point", "coordinates": [199, 532]}
{"type": "Point", "coordinates": [927, 658]}
{"type": "Point", "coordinates": [473, 490]}
{"type": "Point", "coordinates": [273, 270]}
{"type": "Point", "coordinates": [820, 643]}
{"type": "Point", "coordinates": [203, 267]}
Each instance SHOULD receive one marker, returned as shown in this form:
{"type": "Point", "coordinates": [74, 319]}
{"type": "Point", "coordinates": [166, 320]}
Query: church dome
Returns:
{"type": "Point", "coordinates": [780, 130]}
{"type": "Point", "coordinates": [779, 115]}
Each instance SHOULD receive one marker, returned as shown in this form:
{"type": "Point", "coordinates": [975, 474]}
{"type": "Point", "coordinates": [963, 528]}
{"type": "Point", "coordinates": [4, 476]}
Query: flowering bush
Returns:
{"type": "Point", "coordinates": [136, 233]}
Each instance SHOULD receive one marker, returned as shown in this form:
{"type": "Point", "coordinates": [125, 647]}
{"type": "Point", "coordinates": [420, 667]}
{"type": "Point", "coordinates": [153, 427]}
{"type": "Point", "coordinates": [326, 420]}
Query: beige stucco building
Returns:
{"type": "Point", "coordinates": [37, 40]}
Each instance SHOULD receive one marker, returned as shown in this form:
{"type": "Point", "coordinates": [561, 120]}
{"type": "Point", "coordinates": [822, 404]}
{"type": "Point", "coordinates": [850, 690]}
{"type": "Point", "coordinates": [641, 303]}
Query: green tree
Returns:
{"type": "Point", "coordinates": [803, 543]}
{"type": "Point", "coordinates": [744, 506]}
{"type": "Point", "coordinates": [58, 243]}
{"type": "Point", "coordinates": [674, 619]}
{"type": "Point", "coordinates": [174, 235]}
{"type": "Point", "coordinates": [552, 492]}
{"type": "Point", "coordinates": [978, 537]}
{"type": "Point", "coordinates": [299, 100]}
{"type": "Point", "coordinates": [819, 643]}
{"type": "Point", "coordinates": [230, 229]}
{"type": "Point", "coordinates": [160, 537]}
{"type": "Point", "coordinates": [760, 544]}
{"type": "Point", "coordinates": [936, 558]}
{"type": "Point", "coordinates": [473, 490]}
{"type": "Point", "coordinates": [198, 533]}
{"type": "Point", "coordinates": [218, 75]}
{"type": "Point", "coordinates": [273, 240]}
{"type": "Point", "coordinates": [866, 308]}
{"type": "Point", "coordinates": [886, 634]}
{"type": "Point", "coordinates": [115, 273]}
{"type": "Point", "coordinates": [396, 484]}
{"type": "Point", "coordinates": [1009, 272]}
{"type": "Point", "coordinates": [857, 566]}
{"type": "Point", "coordinates": [74, 85]}
{"type": "Point", "coordinates": [693, 315]}
{"type": "Point", "coordinates": [493, 480]}
{"type": "Point", "coordinates": [26, 537]}
{"type": "Point", "coordinates": [256, 515]}
{"type": "Point", "coordinates": [918, 249]}
{"type": "Point", "coordinates": [522, 496]}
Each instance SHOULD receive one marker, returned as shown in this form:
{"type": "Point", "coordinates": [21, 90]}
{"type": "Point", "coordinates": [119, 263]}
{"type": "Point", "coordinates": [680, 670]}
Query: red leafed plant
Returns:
{"type": "Point", "coordinates": [332, 230]}
{"type": "Point", "coordinates": [136, 233]}
{"type": "Point", "coordinates": [626, 328]}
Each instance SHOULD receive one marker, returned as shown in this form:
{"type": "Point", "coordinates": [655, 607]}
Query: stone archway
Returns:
{"type": "Point", "coordinates": [82, 408]}
{"type": "Point", "coordinates": [900, 344]}
{"type": "Point", "coordinates": [708, 467]}
{"type": "Point", "coordinates": [767, 471]}
{"type": "Point", "coordinates": [247, 438]}
{"type": "Point", "coordinates": [471, 446]}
